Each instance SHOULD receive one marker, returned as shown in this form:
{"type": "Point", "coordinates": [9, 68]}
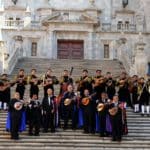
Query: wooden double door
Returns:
{"type": "Point", "coordinates": [70, 49]}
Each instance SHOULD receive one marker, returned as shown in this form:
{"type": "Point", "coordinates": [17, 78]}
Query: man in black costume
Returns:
{"type": "Point", "coordinates": [15, 109]}
{"type": "Point", "coordinates": [49, 107]}
{"type": "Point", "coordinates": [34, 112]}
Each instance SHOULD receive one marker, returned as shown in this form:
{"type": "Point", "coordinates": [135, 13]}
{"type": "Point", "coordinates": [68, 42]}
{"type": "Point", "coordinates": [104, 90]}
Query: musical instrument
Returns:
{"type": "Point", "coordinates": [85, 101]}
{"type": "Point", "coordinates": [18, 105]}
{"type": "Point", "coordinates": [67, 101]}
{"type": "Point", "coordinates": [71, 71]}
{"type": "Point", "coordinates": [121, 83]}
{"type": "Point", "coordinates": [149, 89]}
{"type": "Point", "coordinates": [83, 80]}
{"type": "Point", "coordinates": [21, 79]}
{"type": "Point", "coordinates": [113, 111]}
{"type": "Point", "coordinates": [100, 107]}
{"type": "Point", "coordinates": [140, 90]}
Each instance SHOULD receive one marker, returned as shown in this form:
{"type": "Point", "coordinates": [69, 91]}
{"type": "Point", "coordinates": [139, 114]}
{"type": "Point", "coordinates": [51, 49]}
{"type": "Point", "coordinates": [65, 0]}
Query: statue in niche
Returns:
{"type": "Point", "coordinates": [14, 1]}
{"type": "Point", "coordinates": [124, 3]}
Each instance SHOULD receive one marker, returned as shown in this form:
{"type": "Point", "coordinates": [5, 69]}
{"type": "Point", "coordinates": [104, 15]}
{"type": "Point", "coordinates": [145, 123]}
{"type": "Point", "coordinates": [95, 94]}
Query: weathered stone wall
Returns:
{"type": "Point", "coordinates": [46, 21]}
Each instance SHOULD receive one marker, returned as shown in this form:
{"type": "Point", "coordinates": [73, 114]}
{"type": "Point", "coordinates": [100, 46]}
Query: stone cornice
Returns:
{"type": "Point", "coordinates": [70, 10]}
{"type": "Point", "coordinates": [125, 11]}
{"type": "Point", "coordinates": [15, 8]}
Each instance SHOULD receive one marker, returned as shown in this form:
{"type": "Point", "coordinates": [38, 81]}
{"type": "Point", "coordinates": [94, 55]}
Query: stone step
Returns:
{"type": "Point", "coordinates": [75, 144]}
{"type": "Point", "coordinates": [59, 65]}
{"type": "Point", "coordinates": [64, 148]}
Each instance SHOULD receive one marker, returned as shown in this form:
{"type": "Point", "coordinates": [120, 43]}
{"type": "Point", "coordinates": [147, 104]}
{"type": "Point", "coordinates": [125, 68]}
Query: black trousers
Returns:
{"type": "Point", "coordinates": [48, 122]}
{"type": "Point", "coordinates": [15, 123]}
{"type": "Point", "coordinates": [116, 127]}
{"type": "Point", "coordinates": [34, 124]}
{"type": "Point", "coordinates": [70, 113]}
{"type": "Point", "coordinates": [102, 122]}
{"type": "Point", "coordinates": [89, 121]}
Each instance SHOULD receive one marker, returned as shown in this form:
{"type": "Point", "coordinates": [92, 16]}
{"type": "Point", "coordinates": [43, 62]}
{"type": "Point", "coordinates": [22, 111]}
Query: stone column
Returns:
{"type": "Point", "coordinates": [88, 50]}
{"type": "Point", "coordinates": [140, 59]}
{"type": "Point", "coordinates": [50, 45]}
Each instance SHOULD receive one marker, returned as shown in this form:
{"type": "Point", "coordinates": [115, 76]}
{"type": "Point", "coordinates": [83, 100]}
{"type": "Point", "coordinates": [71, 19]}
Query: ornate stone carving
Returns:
{"type": "Point", "coordinates": [140, 18]}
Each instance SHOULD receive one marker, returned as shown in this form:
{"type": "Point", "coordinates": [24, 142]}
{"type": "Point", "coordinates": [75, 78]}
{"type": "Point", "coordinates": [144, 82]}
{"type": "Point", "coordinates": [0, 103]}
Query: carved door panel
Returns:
{"type": "Point", "coordinates": [70, 49]}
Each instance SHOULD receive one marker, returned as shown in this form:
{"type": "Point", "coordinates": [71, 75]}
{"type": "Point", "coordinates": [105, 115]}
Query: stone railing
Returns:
{"type": "Point", "coordinates": [126, 27]}
{"type": "Point", "coordinates": [10, 63]}
{"type": "Point", "coordinates": [108, 27]}
{"type": "Point", "coordinates": [126, 59]}
{"type": "Point", "coordinates": [13, 23]}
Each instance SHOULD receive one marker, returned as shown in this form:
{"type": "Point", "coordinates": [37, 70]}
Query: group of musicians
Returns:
{"type": "Point", "coordinates": [97, 104]}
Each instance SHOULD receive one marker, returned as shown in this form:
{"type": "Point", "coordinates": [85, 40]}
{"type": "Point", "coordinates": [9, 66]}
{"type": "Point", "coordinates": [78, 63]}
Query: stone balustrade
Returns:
{"type": "Point", "coordinates": [10, 63]}
{"type": "Point", "coordinates": [13, 23]}
{"type": "Point", "coordinates": [108, 27]}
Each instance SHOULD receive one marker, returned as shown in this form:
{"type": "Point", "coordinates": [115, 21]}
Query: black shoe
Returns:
{"type": "Point", "coordinates": [142, 115]}
{"type": "Point", "coordinates": [36, 134]}
{"type": "Point", "coordinates": [119, 140]}
{"type": "Point", "coordinates": [64, 128]}
{"type": "Point", "coordinates": [45, 131]}
{"type": "Point", "coordinates": [15, 138]}
{"type": "Point", "coordinates": [102, 135]}
{"type": "Point", "coordinates": [74, 128]}
{"type": "Point", "coordinates": [113, 139]}
{"type": "Point", "coordinates": [86, 132]}
{"type": "Point", "coordinates": [30, 134]}
{"type": "Point", "coordinates": [52, 131]}
{"type": "Point", "coordinates": [92, 132]}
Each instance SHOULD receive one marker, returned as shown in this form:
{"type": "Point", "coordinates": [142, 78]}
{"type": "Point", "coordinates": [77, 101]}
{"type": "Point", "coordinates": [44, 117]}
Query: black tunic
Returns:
{"type": "Point", "coordinates": [15, 119]}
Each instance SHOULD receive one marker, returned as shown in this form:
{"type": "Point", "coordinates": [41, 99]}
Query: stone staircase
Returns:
{"type": "Point", "coordinates": [59, 65]}
{"type": "Point", "coordinates": [138, 138]}
{"type": "Point", "coordinates": [139, 127]}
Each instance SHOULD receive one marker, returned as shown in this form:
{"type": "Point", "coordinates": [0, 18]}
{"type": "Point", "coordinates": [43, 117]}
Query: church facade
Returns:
{"type": "Point", "coordinates": [81, 29]}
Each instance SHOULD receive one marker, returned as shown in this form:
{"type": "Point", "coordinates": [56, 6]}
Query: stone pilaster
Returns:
{"type": "Point", "coordinates": [140, 59]}
{"type": "Point", "coordinates": [88, 50]}
{"type": "Point", "coordinates": [50, 45]}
